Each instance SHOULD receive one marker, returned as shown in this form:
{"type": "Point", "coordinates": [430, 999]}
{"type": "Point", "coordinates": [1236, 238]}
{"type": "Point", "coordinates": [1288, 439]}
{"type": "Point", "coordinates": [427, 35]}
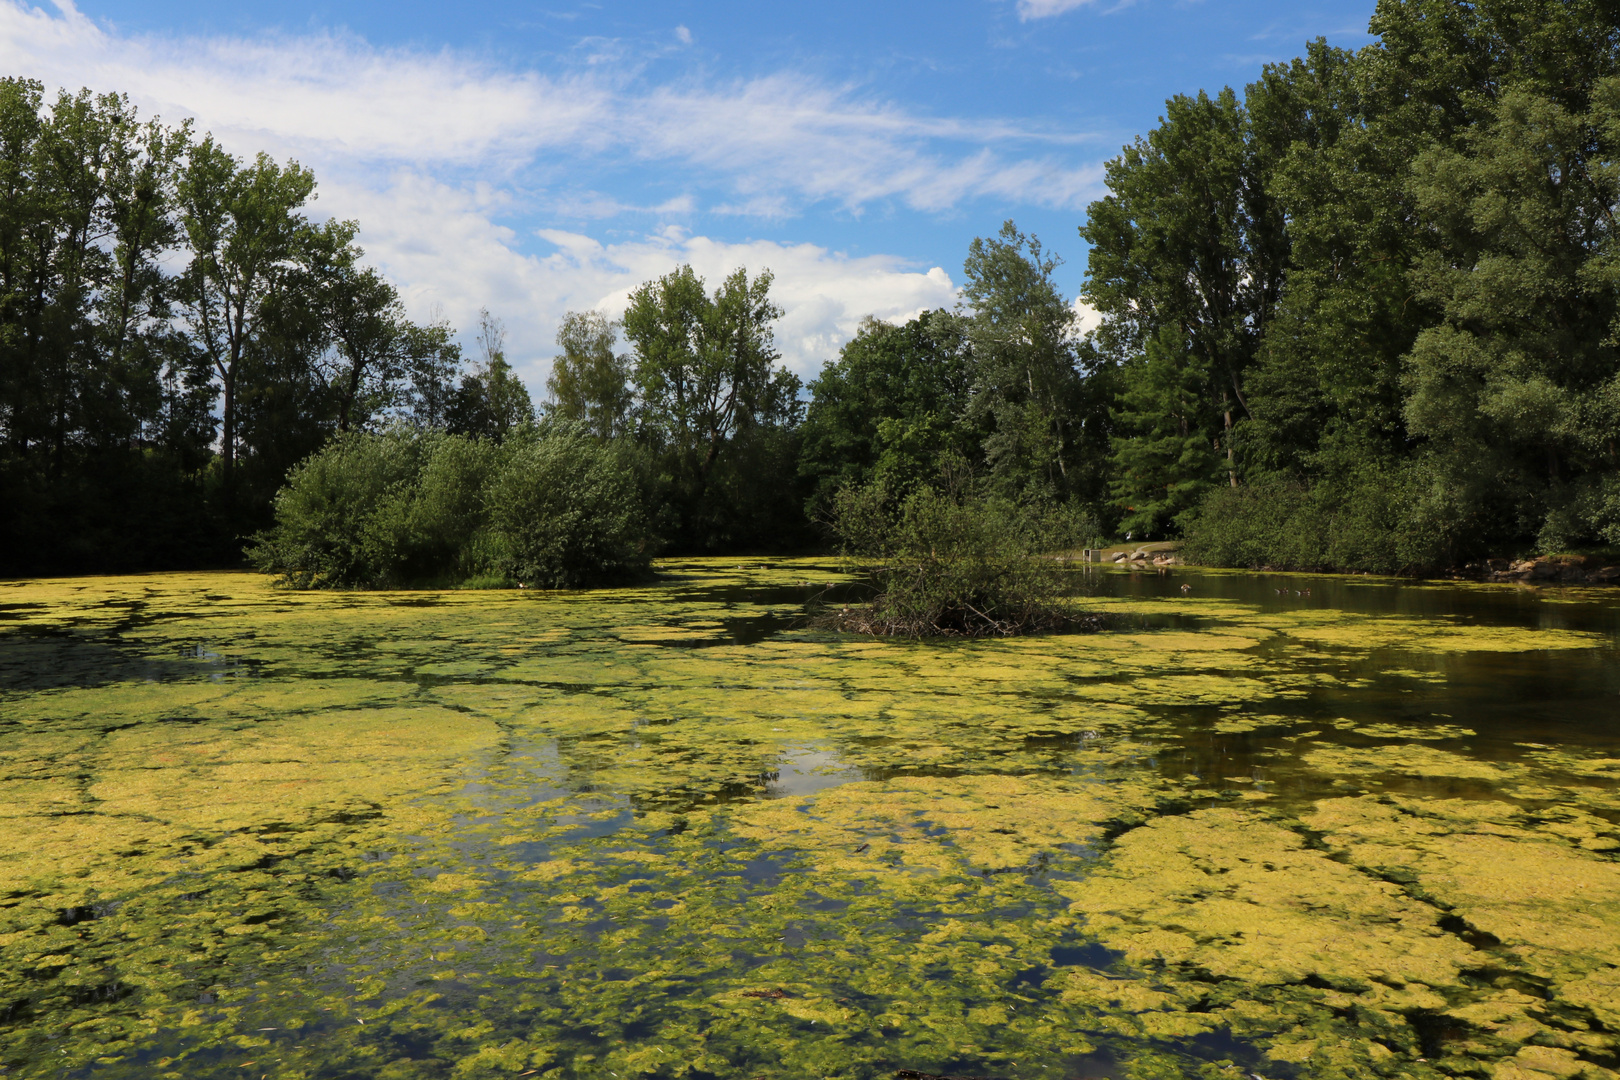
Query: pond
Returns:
{"type": "Point", "coordinates": [1263, 826]}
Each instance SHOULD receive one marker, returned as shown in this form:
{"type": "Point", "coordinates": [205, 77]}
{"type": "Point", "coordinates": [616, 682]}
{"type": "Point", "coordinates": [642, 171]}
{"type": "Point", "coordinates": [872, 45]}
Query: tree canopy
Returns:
{"type": "Point", "coordinates": [1361, 313]}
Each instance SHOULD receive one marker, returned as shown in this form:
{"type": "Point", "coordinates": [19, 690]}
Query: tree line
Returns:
{"type": "Point", "coordinates": [1361, 315]}
{"type": "Point", "coordinates": [1364, 316]}
{"type": "Point", "coordinates": [176, 333]}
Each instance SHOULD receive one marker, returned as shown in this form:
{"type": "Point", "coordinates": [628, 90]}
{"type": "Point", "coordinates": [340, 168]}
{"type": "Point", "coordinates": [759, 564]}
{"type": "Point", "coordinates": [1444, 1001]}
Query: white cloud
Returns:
{"type": "Point", "coordinates": [441, 243]}
{"type": "Point", "coordinates": [683, 35]}
{"type": "Point", "coordinates": [434, 153]}
{"type": "Point", "coordinates": [1041, 9]}
{"type": "Point", "coordinates": [775, 141]}
{"type": "Point", "coordinates": [1086, 317]}
{"type": "Point", "coordinates": [324, 92]}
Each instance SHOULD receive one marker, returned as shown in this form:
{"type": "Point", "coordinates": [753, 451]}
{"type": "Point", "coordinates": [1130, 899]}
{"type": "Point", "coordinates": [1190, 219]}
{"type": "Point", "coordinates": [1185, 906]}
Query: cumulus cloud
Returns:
{"type": "Point", "coordinates": [440, 241]}
{"type": "Point", "coordinates": [438, 154]}
{"type": "Point", "coordinates": [1086, 317]}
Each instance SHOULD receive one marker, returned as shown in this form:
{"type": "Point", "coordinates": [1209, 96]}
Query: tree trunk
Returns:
{"type": "Point", "coordinates": [1231, 462]}
{"type": "Point", "coordinates": [352, 391]}
{"type": "Point", "coordinates": [228, 426]}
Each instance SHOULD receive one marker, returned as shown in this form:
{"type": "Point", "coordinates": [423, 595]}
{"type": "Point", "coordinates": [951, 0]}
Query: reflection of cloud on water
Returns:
{"type": "Point", "coordinates": [804, 771]}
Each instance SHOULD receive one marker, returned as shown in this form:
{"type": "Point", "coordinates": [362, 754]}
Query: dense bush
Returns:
{"type": "Point", "coordinates": [569, 510]}
{"type": "Point", "coordinates": [433, 528]}
{"type": "Point", "coordinates": [1375, 525]}
{"type": "Point", "coordinates": [324, 535]}
{"type": "Point", "coordinates": [552, 507]}
{"type": "Point", "coordinates": [949, 562]}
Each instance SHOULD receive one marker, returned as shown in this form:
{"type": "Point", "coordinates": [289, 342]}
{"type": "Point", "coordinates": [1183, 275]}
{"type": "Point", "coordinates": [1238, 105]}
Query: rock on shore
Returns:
{"type": "Point", "coordinates": [1548, 570]}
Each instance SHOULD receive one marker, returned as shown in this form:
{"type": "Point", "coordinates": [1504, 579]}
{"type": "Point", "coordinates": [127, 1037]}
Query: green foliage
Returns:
{"type": "Point", "coordinates": [1399, 265]}
{"type": "Point", "coordinates": [1026, 385]}
{"type": "Point", "coordinates": [105, 418]}
{"type": "Point", "coordinates": [716, 411]}
{"type": "Point", "coordinates": [1166, 461]}
{"type": "Point", "coordinates": [890, 408]}
{"type": "Point", "coordinates": [491, 401]}
{"type": "Point", "coordinates": [550, 507]}
{"type": "Point", "coordinates": [1187, 258]}
{"type": "Point", "coordinates": [335, 519]}
{"type": "Point", "coordinates": [434, 528]}
{"type": "Point", "coordinates": [589, 382]}
{"type": "Point", "coordinates": [174, 336]}
{"type": "Point", "coordinates": [571, 511]}
{"type": "Point", "coordinates": [1285, 526]}
{"type": "Point", "coordinates": [245, 232]}
{"type": "Point", "coordinates": [950, 562]}
{"type": "Point", "coordinates": [1379, 288]}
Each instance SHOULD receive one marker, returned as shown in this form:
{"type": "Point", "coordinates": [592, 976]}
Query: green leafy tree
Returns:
{"type": "Point", "coordinates": [324, 534]}
{"type": "Point", "coordinates": [550, 507]}
{"type": "Point", "coordinates": [1506, 385]}
{"type": "Point", "coordinates": [715, 408]}
{"type": "Point", "coordinates": [1169, 462]}
{"type": "Point", "coordinates": [590, 383]}
{"type": "Point", "coordinates": [1325, 391]}
{"type": "Point", "coordinates": [570, 510]}
{"type": "Point", "coordinates": [491, 401]}
{"type": "Point", "coordinates": [705, 366]}
{"type": "Point", "coordinates": [103, 413]}
{"type": "Point", "coordinates": [890, 408]}
{"type": "Point", "coordinates": [1027, 386]}
{"type": "Point", "coordinates": [245, 233]}
{"type": "Point", "coordinates": [952, 562]}
{"type": "Point", "coordinates": [1188, 252]}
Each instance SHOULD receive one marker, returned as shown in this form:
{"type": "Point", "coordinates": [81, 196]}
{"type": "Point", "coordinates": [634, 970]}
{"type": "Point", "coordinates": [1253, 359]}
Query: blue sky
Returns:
{"type": "Point", "coordinates": [543, 157]}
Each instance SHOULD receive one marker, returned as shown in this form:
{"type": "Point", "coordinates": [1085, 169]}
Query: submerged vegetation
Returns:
{"type": "Point", "coordinates": [660, 832]}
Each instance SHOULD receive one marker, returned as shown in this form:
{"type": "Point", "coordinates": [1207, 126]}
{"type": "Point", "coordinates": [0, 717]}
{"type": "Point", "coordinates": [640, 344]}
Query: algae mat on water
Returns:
{"type": "Point", "coordinates": [669, 831]}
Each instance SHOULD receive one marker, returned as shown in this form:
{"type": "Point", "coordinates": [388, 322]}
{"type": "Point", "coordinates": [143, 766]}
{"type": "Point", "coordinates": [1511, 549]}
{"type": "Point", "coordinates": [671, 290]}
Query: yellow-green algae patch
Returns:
{"type": "Point", "coordinates": [666, 831]}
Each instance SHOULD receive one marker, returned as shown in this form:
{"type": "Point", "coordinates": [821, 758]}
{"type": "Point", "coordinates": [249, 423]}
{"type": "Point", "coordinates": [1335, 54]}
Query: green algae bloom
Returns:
{"type": "Point", "coordinates": [673, 831]}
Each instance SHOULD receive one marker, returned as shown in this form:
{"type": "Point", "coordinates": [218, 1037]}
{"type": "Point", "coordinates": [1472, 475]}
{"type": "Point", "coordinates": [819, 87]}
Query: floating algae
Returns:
{"type": "Point", "coordinates": [669, 831]}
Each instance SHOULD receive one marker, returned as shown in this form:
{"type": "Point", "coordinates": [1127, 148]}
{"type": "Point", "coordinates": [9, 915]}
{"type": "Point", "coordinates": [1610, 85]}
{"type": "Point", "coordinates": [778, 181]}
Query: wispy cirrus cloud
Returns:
{"type": "Point", "coordinates": [1044, 9]}
{"type": "Point", "coordinates": [472, 179]}
{"type": "Point", "coordinates": [790, 137]}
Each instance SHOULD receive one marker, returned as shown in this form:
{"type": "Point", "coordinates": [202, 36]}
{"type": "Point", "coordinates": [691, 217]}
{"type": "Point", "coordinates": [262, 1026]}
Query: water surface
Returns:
{"type": "Point", "coordinates": [1268, 825]}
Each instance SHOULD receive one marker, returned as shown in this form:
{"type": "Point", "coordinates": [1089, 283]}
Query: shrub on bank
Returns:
{"type": "Point", "coordinates": [1375, 525]}
{"type": "Point", "coordinates": [551, 507]}
{"type": "Point", "coordinates": [952, 563]}
{"type": "Point", "coordinates": [325, 532]}
{"type": "Point", "coordinates": [570, 510]}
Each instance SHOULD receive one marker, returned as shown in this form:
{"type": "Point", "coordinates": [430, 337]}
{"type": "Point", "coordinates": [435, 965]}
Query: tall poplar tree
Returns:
{"type": "Point", "coordinates": [245, 232]}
